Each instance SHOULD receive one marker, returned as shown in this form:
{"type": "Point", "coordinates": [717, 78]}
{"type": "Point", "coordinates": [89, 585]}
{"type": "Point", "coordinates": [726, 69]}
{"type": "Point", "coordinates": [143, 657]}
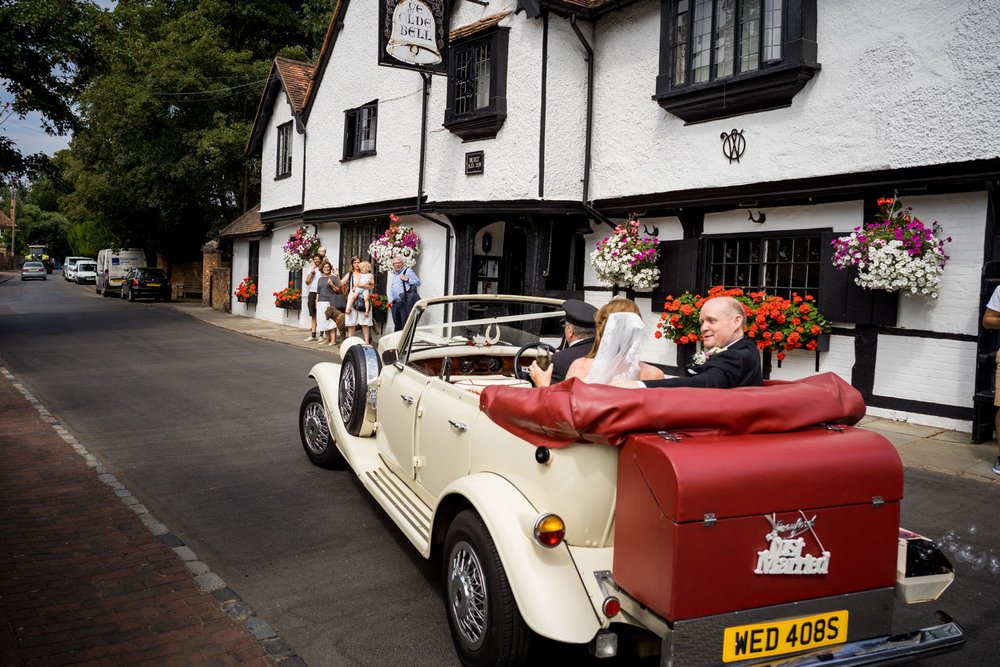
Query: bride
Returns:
{"type": "Point", "coordinates": [616, 350]}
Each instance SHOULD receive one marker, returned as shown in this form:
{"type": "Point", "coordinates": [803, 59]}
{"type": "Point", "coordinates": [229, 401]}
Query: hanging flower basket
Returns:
{"type": "Point", "coordinates": [627, 260]}
{"type": "Point", "coordinates": [299, 249]}
{"type": "Point", "coordinates": [397, 240]}
{"type": "Point", "coordinates": [897, 252]}
{"type": "Point", "coordinates": [247, 291]}
{"type": "Point", "coordinates": [773, 323]}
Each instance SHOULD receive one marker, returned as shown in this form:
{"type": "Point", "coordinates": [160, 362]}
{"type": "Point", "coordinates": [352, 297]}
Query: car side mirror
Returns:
{"type": "Point", "coordinates": [389, 357]}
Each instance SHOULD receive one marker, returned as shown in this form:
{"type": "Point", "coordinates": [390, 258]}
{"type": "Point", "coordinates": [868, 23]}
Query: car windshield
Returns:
{"type": "Point", "coordinates": [486, 323]}
{"type": "Point", "coordinates": [152, 274]}
{"type": "Point", "coordinates": [34, 265]}
{"type": "Point", "coordinates": [86, 266]}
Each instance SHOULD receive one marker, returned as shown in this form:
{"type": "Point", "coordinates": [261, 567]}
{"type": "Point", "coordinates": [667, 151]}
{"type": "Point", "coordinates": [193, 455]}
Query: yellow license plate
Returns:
{"type": "Point", "coordinates": [760, 640]}
{"type": "Point", "coordinates": [153, 285]}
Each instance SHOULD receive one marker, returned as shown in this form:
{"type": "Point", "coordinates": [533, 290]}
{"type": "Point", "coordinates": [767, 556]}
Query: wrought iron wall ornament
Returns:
{"type": "Point", "coordinates": [655, 231]}
{"type": "Point", "coordinates": [759, 220]}
{"type": "Point", "coordinates": [733, 145]}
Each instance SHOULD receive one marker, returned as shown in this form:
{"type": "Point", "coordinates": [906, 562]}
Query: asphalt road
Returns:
{"type": "Point", "coordinates": [200, 424]}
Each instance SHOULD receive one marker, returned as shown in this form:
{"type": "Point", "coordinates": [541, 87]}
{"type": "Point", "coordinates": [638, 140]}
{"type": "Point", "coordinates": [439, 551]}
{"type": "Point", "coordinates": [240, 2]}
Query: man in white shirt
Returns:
{"type": "Point", "coordinates": [311, 279]}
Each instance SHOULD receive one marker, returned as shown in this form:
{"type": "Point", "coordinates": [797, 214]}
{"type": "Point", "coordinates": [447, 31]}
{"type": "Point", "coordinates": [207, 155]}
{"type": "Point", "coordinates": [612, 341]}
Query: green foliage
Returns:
{"type": "Point", "coordinates": [88, 238]}
{"type": "Point", "coordinates": [46, 55]}
{"type": "Point", "coordinates": [160, 158]}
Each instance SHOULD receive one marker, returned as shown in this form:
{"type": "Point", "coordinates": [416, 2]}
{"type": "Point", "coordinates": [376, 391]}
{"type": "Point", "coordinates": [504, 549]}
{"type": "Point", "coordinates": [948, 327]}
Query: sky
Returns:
{"type": "Point", "coordinates": [27, 132]}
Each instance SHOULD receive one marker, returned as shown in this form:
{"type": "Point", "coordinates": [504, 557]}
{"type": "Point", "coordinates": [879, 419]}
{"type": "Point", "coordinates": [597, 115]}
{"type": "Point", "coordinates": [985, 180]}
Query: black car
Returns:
{"type": "Point", "coordinates": [146, 282]}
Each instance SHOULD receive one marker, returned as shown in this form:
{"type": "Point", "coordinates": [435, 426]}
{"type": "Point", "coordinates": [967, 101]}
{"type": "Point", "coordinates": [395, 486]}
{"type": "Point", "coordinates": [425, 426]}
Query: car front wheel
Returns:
{"type": "Point", "coordinates": [485, 623]}
{"type": "Point", "coordinates": [314, 429]}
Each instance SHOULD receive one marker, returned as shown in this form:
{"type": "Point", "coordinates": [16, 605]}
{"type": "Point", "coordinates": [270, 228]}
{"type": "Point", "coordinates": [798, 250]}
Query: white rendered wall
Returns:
{"type": "Point", "coordinates": [902, 84]}
{"type": "Point", "coordinates": [278, 193]}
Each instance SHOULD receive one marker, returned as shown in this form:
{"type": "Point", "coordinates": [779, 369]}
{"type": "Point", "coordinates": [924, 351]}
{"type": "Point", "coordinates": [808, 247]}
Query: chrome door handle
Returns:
{"type": "Point", "coordinates": [407, 399]}
{"type": "Point", "coordinates": [458, 426]}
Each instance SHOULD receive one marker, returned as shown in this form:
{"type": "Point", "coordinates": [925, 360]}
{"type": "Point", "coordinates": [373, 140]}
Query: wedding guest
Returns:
{"type": "Point", "coordinates": [312, 282]}
{"type": "Point", "coordinates": [329, 289]}
{"type": "Point", "coordinates": [353, 319]}
{"type": "Point", "coordinates": [401, 280]}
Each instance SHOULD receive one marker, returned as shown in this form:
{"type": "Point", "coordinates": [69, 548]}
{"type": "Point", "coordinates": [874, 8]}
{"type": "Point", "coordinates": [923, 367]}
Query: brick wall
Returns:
{"type": "Point", "coordinates": [220, 295]}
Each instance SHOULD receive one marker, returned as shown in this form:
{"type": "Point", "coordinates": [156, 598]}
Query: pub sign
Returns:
{"type": "Point", "coordinates": [413, 34]}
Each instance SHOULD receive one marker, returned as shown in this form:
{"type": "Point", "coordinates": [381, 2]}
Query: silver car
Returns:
{"type": "Point", "coordinates": [33, 271]}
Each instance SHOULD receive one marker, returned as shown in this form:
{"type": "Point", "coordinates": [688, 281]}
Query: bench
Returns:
{"type": "Point", "coordinates": [189, 288]}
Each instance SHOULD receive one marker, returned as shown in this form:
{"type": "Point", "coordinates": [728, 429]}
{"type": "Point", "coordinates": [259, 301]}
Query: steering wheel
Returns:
{"type": "Point", "coordinates": [522, 373]}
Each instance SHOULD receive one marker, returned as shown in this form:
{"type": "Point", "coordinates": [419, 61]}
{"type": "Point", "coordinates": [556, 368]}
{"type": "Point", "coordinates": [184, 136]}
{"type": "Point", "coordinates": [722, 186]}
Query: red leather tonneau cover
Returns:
{"type": "Point", "coordinates": [574, 411]}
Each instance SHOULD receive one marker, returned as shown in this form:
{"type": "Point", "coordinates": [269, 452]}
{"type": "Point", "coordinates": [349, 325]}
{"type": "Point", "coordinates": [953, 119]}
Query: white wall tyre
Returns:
{"type": "Point", "coordinates": [486, 625]}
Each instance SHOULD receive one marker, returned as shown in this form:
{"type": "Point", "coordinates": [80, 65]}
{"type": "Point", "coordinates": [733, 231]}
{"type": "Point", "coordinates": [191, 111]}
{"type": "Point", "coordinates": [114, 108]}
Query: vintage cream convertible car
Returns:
{"type": "Point", "coordinates": [738, 526]}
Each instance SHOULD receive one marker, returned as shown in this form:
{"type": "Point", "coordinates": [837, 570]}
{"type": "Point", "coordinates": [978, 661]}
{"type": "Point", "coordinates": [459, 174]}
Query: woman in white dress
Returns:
{"type": "Point", "coordinates": [357, 316]}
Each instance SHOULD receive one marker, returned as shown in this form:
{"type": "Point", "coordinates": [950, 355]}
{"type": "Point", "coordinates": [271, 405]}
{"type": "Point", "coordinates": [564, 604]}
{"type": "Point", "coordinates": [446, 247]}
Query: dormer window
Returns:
{"type": "Point", "coordinates": [284, 166]}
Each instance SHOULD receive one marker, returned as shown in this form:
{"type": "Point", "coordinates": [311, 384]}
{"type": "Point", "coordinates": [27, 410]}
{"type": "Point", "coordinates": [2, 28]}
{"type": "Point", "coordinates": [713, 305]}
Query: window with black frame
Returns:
{"type": "Point", "coordinates": [360, 125]}
{"type": "Point", "coordinates": [477, 85]}
{"type": "Point", "coordinates": [779, 265]}
{"type": "Point", "coordinates": [253, 263]}
{"type": "Point", "coordinates": [721, 58]}
{"type": "Point", "coordinates": [284, 165]}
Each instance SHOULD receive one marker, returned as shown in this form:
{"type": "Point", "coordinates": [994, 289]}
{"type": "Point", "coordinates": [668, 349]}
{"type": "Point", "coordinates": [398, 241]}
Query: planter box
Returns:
{"type": "Point", "coordinates": [290, 305]}
{"type": "Point", "coordinates": [248, 300]}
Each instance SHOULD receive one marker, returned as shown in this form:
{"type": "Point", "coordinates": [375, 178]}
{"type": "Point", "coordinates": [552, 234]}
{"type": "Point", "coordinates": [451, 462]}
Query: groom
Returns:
{"type": "Point", "coordinates": [731, 359]}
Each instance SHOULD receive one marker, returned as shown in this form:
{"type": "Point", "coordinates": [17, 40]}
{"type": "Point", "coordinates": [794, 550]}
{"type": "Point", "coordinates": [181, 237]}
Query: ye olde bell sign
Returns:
{"type": "Point", "coordinates": [413, 34]}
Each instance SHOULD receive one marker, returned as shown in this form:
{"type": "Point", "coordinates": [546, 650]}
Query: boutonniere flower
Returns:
{"type": "Point", "coordinates": [704, 355]}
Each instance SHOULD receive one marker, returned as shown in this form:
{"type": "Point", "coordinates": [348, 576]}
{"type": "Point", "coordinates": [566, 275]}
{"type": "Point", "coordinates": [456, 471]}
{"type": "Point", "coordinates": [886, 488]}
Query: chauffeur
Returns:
{"type": "Point", "coordinates": [578, 329]}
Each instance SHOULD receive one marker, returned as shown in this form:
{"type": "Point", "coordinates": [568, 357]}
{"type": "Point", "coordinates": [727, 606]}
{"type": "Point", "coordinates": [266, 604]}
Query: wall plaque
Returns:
{"type": "Point", "coordinates": [473, 163]}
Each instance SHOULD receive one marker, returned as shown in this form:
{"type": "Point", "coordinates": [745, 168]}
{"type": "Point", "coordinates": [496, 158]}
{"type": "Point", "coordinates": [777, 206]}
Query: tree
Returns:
{"type": "Point", "coordinates": [160, 155]}
{"type": "Point", "coordinates": [45, 58]}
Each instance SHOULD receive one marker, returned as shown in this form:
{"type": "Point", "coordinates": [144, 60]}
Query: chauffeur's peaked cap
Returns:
{"type": "Point", "coordinates": [579, 313]}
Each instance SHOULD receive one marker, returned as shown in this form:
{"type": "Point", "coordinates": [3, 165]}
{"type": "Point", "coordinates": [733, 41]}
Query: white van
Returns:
{"type": "Point", "coordinates": [112, 266]}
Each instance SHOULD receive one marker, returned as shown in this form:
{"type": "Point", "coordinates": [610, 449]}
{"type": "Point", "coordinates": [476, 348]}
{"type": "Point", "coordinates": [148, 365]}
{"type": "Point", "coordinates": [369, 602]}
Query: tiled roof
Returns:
{"type": "Point", "coordinates": [296, 76]}
{"type": "Point", "coordinates": [478, 26]}
{"type": "Point", "coordinates": [248, 224]}
{"type": "Point", "coordinates": [5, 222]}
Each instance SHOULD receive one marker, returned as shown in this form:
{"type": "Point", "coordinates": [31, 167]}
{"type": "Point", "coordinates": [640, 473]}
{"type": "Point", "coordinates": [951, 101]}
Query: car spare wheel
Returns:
{"type": "Point", "coordinates": [314, 430]}
{"type": "Point", "coordinates": [356, 395]}
{"type": "Point", "coordinates": [485, 622]}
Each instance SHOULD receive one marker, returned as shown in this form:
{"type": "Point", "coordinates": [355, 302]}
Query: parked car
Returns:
{"type": "Point", "coordinates": [580, 512]}
{"type": "Point", "coordinates": [69, 267]}
{"type": "Point", "coordinates": [85, 272]}
{"type": "Point", "coordinates": [33, 271]}
{"type": "Point", "coordinates": [146, 282]}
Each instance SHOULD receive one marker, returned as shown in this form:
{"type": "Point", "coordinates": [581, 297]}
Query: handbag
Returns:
{"type": "Point", "coordinates": [410, 296]}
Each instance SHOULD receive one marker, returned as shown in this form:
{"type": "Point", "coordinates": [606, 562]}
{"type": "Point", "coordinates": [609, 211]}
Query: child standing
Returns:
{"type": "Point", "coordinates": [364, 283]}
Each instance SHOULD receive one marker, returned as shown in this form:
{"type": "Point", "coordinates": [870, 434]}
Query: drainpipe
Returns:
{"type": "Point", "coordinates": [590, 122]}
{"type": "Point", "coordinates": [449, 232]}
{"type": "Point", "coordinates": [542, 112]}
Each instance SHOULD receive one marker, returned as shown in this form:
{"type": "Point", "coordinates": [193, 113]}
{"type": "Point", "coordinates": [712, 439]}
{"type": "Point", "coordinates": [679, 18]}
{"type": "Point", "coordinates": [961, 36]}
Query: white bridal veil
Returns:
{"type": "Point", "coordinates": [618, 354]}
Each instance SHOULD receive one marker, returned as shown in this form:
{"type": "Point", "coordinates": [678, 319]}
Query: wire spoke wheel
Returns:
{"type": "Point", "coordinates": [467, 594]}
{"type": "Point", "coordinates": [314, 430]}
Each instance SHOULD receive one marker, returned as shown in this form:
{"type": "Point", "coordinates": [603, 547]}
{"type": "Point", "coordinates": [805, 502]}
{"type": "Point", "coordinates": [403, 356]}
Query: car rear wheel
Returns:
{"type": "Point", "coordinates": [485, 623]}
{"type": "Point", "coordinates": [314, 429]}
{"type": "Point", "coordinates": [358, 374]}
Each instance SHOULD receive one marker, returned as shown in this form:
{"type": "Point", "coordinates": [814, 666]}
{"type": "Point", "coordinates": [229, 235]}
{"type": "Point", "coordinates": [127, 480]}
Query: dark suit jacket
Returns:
{"type": "Point", "coordinates": [562, 359]}
{"type": "Point", "coordinates": [737, 366]}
